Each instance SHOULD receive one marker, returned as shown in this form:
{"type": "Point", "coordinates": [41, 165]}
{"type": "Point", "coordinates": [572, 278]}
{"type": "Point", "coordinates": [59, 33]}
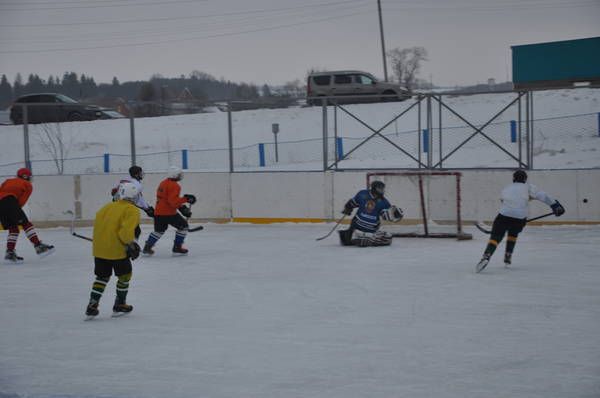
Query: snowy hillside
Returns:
{"type": "Point", "coordinates": [566, 136]}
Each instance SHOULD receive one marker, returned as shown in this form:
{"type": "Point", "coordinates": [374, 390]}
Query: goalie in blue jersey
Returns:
{"type": "Point", "coordinates": [364, 229]}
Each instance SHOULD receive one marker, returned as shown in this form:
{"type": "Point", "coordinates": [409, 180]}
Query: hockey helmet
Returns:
{"type": "Point", "coordinates": [24, 173]}
{"type": "Point", "coordinates": [128, 191]}
{"type": "Point", "coordinates": [520, 176]}
{"type": "Point", "coordinates": [136, 172]}
{"type": "Point", "coordinates": [175, 173]}
{"type": "Point", "coordinates": [378, 188]}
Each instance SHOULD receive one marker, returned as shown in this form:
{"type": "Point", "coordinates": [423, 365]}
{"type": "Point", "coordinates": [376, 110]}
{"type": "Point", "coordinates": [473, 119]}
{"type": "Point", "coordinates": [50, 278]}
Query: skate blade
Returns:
{"type": "Point", "coordinates": [118, 314]}
{"type": "Point", "coordinates": [89, 317]}
{"type": "Point", "coordinates": [11, 262]}
{"type": "Point", "coordinates": [146, 255]}
{"type": "Point", "coordinates": [481, 266]}
{"type": "Point", "coordinates": [46, 253]}
{"type": "Point", "coordinates": [179, 254]}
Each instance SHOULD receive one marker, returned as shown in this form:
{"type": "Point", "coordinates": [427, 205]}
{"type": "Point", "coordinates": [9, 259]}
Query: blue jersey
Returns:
{"type": "Point", "coordinates": [369, 210]}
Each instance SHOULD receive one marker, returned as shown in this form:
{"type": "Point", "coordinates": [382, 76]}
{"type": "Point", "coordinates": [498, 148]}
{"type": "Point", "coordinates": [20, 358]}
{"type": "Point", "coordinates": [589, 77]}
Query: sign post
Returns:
{"type": "Point", "coordinates": [275, 129]}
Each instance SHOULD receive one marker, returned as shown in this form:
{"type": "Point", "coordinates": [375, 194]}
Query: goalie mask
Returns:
{"type": "Point", "coordinates": [378, 189]}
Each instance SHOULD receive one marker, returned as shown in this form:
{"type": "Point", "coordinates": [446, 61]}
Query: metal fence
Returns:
{"type": "Point", "coordinates": [558, 130]}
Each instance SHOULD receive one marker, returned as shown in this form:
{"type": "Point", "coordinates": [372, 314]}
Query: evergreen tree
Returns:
{"type": "Point", "coordinates": [18, 88]}
{"type": "Point", "coordinates": [6, 92]}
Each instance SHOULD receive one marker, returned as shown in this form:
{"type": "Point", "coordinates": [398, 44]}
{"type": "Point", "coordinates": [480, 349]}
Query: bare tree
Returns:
{"type": "Point", "coordinates": [54, 143]}
{"type": "Point", "coordinates": [406, 63]}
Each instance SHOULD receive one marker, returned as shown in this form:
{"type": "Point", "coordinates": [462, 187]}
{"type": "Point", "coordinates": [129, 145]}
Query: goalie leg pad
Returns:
{"type": "Point", "coordinates": [366, 239]}
{"type": "Point", "coordinates": [346, 237]}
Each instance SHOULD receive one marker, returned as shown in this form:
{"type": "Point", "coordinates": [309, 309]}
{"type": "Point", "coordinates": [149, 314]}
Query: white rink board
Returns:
{"type": "Point", "coordinates": [315, 195]}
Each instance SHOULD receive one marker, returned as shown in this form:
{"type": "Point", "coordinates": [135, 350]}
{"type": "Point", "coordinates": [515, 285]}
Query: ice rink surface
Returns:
{"type": "Point", "coordinates": [266, 311]}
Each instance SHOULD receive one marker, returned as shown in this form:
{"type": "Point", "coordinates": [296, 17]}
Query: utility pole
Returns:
{"type": "Point", "coordinates": [385, 75]}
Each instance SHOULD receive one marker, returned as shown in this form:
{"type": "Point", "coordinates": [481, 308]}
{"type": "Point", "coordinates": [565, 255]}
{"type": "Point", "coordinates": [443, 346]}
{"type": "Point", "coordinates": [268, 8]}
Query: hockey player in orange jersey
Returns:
{"type": "Point", "coordinates": [14, 193]}
{"type": "Point", "coordinates": [168, 204]}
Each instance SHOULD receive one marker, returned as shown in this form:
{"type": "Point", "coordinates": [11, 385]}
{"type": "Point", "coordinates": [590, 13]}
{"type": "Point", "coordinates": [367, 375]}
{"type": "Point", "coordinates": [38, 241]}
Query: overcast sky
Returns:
{"type": "Point", "coordinates": [274, 41]}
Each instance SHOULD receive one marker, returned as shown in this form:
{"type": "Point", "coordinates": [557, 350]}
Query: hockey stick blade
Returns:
{"type": "Point", "coordinates": [72, 228]}
{"type": "Point", "coordinates": [333, 229]}
{"type": "Point", "coordinates": [75, 234]}
{"type": "Point", "coordinates": [198, 228]}
{"type": "Point", "coordinates": [482, 228]}
{"type": "Point", "coordinates": [487, 231]}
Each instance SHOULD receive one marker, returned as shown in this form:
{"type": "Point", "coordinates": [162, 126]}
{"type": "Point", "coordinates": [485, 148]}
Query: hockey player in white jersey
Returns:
{"type": "Point", "coordinates": [136, 175]}
{"type": "Point", "coordinates": [513, 216]}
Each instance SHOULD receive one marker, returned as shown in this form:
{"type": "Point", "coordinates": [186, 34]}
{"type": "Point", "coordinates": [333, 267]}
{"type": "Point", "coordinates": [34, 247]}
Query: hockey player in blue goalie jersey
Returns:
{"type": "Point", "coordinates": [364, 229]}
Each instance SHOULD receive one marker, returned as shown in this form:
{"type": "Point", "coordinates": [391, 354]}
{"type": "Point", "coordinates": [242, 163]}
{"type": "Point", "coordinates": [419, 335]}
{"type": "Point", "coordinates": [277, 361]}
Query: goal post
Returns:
{"type": "Point", "coordinates": [430, 200]}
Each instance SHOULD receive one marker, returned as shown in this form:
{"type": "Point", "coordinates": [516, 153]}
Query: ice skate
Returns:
{"type": "Point", "coordinates": [507, 259]}
{"type": "Point", "coordinates": [147, 251]}
{"type": "Point", "coordinates": [179, 250]}
{"type": "Point", "coordinates": [11, 257]}
{"type": "Point", "coordinates": [120, 309]}
{"type": "Point", "coordinates": [91, 311]}
{"type": "Point", "coordinates": [43, 249]}
{"type": "Point", "coordinates": [482, 263]}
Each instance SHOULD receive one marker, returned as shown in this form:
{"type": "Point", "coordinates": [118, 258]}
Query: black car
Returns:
{"type": "Point", "coordinates": [65, 110]}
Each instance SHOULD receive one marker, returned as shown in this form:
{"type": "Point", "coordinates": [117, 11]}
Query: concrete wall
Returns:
{"type": "Point", "coordinates": [312, 196]}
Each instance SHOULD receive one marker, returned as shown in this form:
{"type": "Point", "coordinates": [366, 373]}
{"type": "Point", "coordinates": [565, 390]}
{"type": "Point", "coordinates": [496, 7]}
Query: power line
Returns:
{"type": "Point", "coordinates": [239, 23]}
{"type": "Point", "coordinates": [140, 44]}
{"type": "Point", "coordinates": [118, 4]}
{"type": "Point", "coordinates": [496, 6]}
{"type": "Point", "coordinates": [163, 19]}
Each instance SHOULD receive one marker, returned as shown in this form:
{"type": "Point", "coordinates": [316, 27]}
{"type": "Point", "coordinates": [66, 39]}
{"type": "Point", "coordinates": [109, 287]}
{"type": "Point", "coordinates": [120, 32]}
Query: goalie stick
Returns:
{"type": "Point", "coordinates": [489, 231]}
{"type": "Point", "coordinates": [334, 228]}
{"type": "Point", "coordinates": [72, 229]}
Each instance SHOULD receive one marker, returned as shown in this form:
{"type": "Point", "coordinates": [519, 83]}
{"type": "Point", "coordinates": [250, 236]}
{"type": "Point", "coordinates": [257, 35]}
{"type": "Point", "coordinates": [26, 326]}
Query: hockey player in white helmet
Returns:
{"type": "Point", "coordinates": [114, 246]}
{"type": "Point", "coordinates": [168, 204]}
{"type": "Point", "coordinates": [513, 214]}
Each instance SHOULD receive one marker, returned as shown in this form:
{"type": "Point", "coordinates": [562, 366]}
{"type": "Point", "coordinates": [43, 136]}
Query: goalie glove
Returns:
{"type": "Point", "coordinates": [393, 214]}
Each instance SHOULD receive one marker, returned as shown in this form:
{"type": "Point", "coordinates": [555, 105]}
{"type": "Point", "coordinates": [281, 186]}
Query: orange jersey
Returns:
{"type": "Point", "coordinates": [17, 187]}
{"type": "Point", "coordinates": [167, 198]}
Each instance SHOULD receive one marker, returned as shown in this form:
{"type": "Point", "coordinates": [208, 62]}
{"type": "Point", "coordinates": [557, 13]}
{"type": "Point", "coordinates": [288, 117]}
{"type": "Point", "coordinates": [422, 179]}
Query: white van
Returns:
{"type": "Point", "coordinates": [351, 87]}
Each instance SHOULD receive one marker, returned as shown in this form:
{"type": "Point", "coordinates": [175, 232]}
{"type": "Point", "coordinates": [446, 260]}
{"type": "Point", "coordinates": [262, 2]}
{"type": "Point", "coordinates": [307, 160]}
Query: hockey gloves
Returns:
{"type": "Point", "coordinates": [149, 211]}
{"type": "Point", "coordinates": [557, 209]}
{"type": "Point", "coordinates": [133, 250]}
{"type": "Point", "coordinates": [185, 211]}
{"type": "Point", "coordinates": [191, 199]}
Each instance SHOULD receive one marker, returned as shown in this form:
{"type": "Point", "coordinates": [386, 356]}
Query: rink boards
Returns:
{"type": "Point", "coordinates": [306, 196]}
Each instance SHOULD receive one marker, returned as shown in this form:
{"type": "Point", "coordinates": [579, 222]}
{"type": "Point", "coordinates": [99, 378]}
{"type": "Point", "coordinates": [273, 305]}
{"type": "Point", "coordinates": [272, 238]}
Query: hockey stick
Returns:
{"type": "Point", "coordinates": [72, 229]}
{"type": "Point", "coordinates": [198, 228]}
{"type": "Point", "coordinates": [486, 231]}
{"type": "Point", "coordinates": [334, 228]}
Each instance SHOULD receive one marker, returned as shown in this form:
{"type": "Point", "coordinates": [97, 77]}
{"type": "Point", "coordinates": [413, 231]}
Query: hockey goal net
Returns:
{"type": "Point", "coordinates": [430, 201]}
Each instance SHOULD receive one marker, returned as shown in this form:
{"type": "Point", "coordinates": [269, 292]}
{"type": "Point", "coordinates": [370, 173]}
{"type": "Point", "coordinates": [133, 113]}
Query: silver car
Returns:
{"type": "Point", "coordinates": [351, 86]}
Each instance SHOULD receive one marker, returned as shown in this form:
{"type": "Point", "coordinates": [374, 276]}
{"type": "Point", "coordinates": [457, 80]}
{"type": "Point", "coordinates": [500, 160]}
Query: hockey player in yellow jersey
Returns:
{"type": "Point", "coordinates": [114, 246]}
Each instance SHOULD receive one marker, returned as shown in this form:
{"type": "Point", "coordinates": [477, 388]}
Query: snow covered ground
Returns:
{"type": "Point", "coordinates": [266, 311]}
{"type": "Point", "coordinates": [561, 140]}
